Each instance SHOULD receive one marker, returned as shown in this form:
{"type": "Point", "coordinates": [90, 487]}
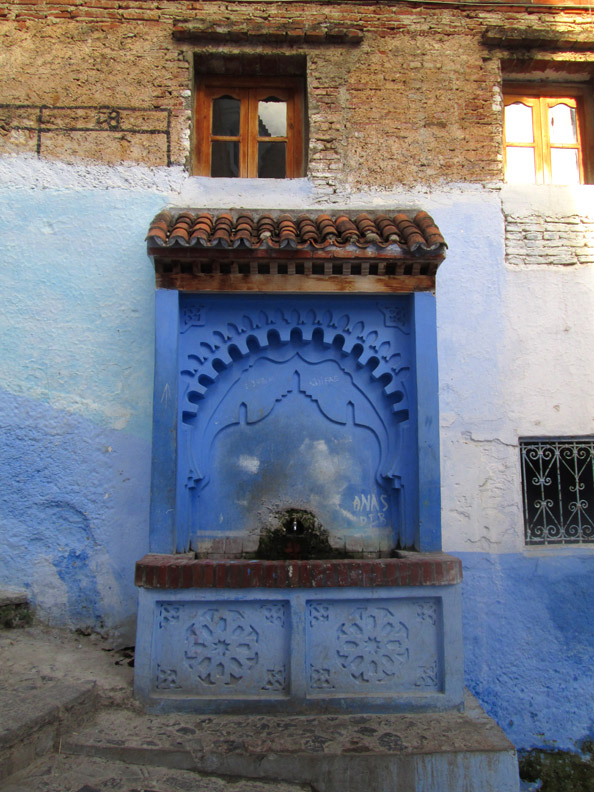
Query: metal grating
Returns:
{"type": "Point", "coordinates": [558, 490]}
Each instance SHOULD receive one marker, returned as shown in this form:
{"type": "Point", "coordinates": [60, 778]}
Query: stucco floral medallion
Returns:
{"type": "Point", "coordinates": [372, 644]}
{"type": "Point", "coordinates": [222, 646]}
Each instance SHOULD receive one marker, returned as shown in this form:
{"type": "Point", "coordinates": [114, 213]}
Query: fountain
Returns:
{"type": "Point", "coordinates": [295, 560]}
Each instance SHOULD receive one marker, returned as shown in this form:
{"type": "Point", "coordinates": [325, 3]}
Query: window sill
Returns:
{"type": "Point", "coordinates": [558, 549]}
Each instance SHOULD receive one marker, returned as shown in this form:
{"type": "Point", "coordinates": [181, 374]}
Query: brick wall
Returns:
{"type": "Point", "coordinates": [415, 101]}
{"type": "Point", "coordinates": [563, 240]}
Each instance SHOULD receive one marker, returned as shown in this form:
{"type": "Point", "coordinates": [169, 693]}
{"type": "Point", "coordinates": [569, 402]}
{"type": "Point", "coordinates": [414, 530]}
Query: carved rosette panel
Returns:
{"type": "Point", "coordinates": [363, 648]}
{"type": "Point", "coordinates": [251, 368]}
{"type": "Point", "coordinates": [192, 315]}
{"type": "Point", "coordinates": [427, 610]}
{"type": "Point", "coordinates": [372, 644]}
{"type": "Point", "coordinates": [223, 648]}
{"type": "Point", "coordinates": [427, 676]}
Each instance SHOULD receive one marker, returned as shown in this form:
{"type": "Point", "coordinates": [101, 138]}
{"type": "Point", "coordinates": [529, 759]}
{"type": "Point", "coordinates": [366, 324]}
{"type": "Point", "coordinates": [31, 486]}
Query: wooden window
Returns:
{"type": "Point", "coordinates": [543, 137]}
{"type": "Point", "coordinates": [249, 128]}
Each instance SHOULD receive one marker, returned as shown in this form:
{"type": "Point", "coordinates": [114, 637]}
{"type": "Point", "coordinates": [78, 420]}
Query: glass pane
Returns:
{"type": "Point", "coordinates": [565, 167]}
{"type": "Point", "coordinates": [562, 124]}
{"type": "Point", "coordinates": [272, 118]}
{"type": "Point", "coordinates": [272, 160]}
{"type": "Point", "coordinates": [225, 158]}
{"type": "Point", "coordinates": [225, 116]}
{"type": "Point", "coordinates": [520, 166]}
{"type": "Point", "coordinates": [518, 123]}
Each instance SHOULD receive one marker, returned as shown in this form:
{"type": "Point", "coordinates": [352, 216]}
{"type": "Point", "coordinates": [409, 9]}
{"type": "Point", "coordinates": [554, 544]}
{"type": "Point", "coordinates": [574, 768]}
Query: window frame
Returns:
{"type": "Point", "coordinates": [248, 90]}
{"type": "Point", "coordinates": [540, 98]}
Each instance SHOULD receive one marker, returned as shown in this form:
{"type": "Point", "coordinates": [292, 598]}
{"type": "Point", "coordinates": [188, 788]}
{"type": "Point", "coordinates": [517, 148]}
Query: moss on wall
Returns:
{"type": "Point", "coordinates": [298, 534]}
{"type": "Point", "coordinates": [15, 615]}
{"type": "Point", "coordinates": [559, 771]}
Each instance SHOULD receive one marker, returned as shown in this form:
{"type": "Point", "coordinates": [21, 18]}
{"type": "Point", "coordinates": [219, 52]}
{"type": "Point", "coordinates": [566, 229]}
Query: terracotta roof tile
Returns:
{"type": "Point", "coordinates": [387, 234]}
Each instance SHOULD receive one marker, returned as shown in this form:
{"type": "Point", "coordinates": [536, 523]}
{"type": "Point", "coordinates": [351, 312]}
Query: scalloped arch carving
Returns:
{"type": "Point", "coordinates": [292, 403]}
{"type": "Point", "coordinates": [238, 339]}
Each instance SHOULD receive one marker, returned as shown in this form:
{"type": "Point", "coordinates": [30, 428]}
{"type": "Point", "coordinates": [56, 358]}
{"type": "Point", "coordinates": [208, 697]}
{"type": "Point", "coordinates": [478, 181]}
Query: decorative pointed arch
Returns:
{"type": "Point", "coordinates": [344, 364]}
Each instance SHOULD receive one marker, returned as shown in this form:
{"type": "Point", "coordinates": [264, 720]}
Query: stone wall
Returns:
{"type": "Point", "coordinates": [562, 240]}
{"type": "Point", "coordinates": [397, 94]}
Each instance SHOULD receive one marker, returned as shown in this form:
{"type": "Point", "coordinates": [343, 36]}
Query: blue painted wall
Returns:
{"type": "Point", "coordinates": [76, 400]}
{"type": "Point", "coordinates": [529, 643]}
{"type": "Point", "coordinates": [76, 361]}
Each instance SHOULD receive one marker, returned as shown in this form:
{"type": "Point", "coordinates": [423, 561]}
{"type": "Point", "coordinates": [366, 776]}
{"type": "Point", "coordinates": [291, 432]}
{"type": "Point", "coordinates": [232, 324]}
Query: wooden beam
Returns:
{"type": "Point", "coordinates": [311, 284]}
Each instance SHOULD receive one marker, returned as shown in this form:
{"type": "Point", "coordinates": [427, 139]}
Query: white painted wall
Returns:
{"type": "Point", "coordinates": [516, 348]}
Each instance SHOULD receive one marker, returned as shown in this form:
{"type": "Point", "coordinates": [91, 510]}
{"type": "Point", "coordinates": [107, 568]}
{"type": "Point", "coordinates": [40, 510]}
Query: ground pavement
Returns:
{"type": "Point", "coordinates": [69, 723]}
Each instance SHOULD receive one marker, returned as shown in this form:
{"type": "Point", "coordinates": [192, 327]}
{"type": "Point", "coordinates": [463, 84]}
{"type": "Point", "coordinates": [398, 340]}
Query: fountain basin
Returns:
{"type": "Point", "coordinates": [363, 635]}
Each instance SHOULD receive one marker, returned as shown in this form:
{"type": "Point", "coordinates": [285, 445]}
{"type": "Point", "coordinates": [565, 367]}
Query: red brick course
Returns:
{"type": "Point", "coordinates": [415, 569]}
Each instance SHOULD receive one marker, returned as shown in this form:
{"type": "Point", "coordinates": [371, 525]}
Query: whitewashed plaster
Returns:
{"type": "Point", "coordinates": [526, 362]}
{"type": "Point", "coordinates": [528, 199]}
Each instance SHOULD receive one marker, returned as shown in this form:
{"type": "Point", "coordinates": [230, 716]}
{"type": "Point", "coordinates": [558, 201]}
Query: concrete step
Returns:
{"type": "Point", "coordinates": [35, 716]}
{"type": "Point", "coordinates": [59, 773]}
{"type": "Point", "coordinates": [436, 752]}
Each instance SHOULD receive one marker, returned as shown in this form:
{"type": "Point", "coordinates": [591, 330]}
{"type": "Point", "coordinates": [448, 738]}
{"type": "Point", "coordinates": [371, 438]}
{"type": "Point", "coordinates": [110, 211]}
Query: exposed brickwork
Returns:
{"type": "Point", "coordinates": [176, 572]}
{"type": "Point", "coordinates": [398, 94]}
{"type": "Point", "coordinates": [549, 239]}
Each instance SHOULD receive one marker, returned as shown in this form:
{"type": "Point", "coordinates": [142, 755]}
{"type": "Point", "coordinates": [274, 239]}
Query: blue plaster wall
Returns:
{"type": "Point", "coordinates": [529, 643]}
{"type": "Point", "coordinates": [76, 358]}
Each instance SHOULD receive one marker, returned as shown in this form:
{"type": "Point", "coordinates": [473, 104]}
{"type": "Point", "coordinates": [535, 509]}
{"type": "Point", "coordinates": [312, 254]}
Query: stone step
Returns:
{"type": "Point", "coordinates": [59, 773]}
{"type": "Point", "coordinates": [12, 597]}
{"type": "Point", "coordinates": [433, 752]}
{"type": "Point", "coordinates": [35, 716]}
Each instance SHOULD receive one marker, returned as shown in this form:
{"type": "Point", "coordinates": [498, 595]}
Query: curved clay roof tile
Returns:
{"type": "Point", "coordinates": [266, 225]}
{"type": "Point", "coordinates": [326, 226]}
{"type": "Point", "coordinates": [409, 232]}
{"type": "Point", "coordinates": [159, 235]}
{"type": "Point", "coordinates": [367, 229]}
{"type": "Point", "coordinates": [430, 231]}
{"type": "Point", "coordinates": [307, 229]}
{"type": "Point", "coordinates": [346, 228]}
{"type": "Point", "coordinates": [322, 235]}
{"type": "Point", "coordinates": [179, 236]}
{"type": "Point", "coordinates": [386, 227]}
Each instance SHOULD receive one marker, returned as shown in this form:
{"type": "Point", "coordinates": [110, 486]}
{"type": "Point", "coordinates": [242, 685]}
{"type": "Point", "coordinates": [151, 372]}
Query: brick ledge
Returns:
{"type": "Point", "coordinates": [413, 569]}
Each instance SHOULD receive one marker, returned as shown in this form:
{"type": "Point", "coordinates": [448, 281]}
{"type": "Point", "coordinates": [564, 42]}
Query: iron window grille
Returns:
{"type": "Point", "coordinates": [558, 490]}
